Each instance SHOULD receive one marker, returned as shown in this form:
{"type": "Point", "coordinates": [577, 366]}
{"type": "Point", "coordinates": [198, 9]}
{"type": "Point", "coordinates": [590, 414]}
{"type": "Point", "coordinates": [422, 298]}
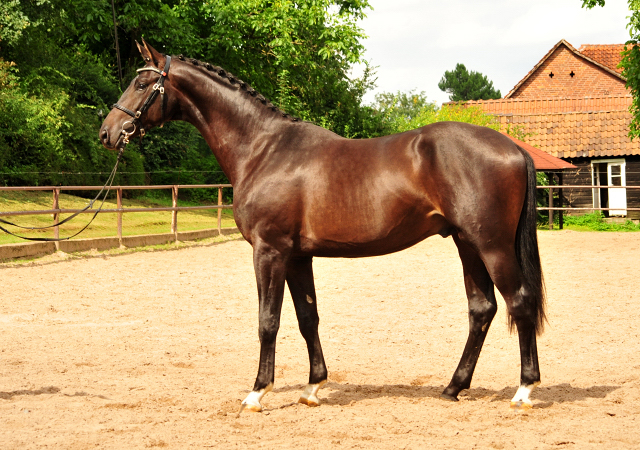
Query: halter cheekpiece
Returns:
{"type": "Point", "coordinates": [157, 88]}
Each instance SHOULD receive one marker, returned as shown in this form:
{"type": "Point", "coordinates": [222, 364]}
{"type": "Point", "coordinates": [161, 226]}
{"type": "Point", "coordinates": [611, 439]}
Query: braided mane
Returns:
{"type": "Point", "coordinates": [233, 80]}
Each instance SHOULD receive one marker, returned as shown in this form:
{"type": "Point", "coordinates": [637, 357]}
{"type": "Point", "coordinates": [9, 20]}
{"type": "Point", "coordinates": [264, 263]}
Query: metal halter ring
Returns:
{"type": "Point", "coordinates": [127, 134]}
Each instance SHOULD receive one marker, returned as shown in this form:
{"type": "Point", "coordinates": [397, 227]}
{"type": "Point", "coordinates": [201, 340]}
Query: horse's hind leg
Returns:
{"type": "Point", "coordinates": [482, 309]}
{"type": "Point", "coordinates": [509, 279]}
{"type": "Point", "coordinates": [300, 281]}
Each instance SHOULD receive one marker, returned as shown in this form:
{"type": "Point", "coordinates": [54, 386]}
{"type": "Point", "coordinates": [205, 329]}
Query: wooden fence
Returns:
{"type": "Point", "coordinates": [56, 211]}
{"type": "Point", "coordinates": [560, 208]}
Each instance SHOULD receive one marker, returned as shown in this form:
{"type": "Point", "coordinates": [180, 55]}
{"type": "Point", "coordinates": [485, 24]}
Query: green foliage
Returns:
{"type": "Point", "coordinates": [517, 131]}
{"type": "Point", "coordinates": [13, 21]}
{"type": "Point", "coordinates": [29, 131]}
{"type": "Point", "coordinates": [630, 63]}
{"type": "Point", "coordinates": [591, 3]}
{"type": "Point", "coordinates": [595, 222]}
{"type": "Point", "coordinates": [403, 106]}
{"type": "Point", "coordinates": [61, 76]}
{"type": "Point", "coordinates": [463, 85]}
{"type": "Point", "coordinates": [455, 113]}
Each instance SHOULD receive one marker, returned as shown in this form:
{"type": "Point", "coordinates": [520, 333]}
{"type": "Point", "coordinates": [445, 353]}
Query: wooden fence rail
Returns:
{"type": "Point", "coordinates": [56, 211]}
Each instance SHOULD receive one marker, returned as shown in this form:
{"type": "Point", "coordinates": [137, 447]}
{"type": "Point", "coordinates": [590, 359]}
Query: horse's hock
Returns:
{"type": "Point", "coordinates": [157, 349]}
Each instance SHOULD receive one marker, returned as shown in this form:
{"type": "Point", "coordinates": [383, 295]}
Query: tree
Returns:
{"type": "Point", "coordinates": [456, 113]}
{"type": "Point", "coordinates": [630, 63]}
{"type": "Point", "coordinates": [463, 85]}
{"type": "Point", "coordinates": [403, 106]}
{"type": "Point", "coordinates": [59, 56]}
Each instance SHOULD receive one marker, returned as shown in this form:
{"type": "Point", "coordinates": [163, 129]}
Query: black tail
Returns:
{"type": "Point", "coordinates": [527, 249]}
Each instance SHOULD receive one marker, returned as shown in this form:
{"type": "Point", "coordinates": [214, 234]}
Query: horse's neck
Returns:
{"type": "Point", "coordinates": [235, 125]}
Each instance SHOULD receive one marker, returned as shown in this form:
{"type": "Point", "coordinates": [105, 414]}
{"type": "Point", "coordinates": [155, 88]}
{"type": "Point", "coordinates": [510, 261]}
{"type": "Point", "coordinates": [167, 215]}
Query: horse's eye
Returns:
{"type": "Point", "coordinates": [141, 86]}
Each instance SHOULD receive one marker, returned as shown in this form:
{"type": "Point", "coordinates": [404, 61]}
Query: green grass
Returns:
{"type": "Point", "coordinates": [105, 224]}
{"type": "Point", "coordinates": [594, 222]}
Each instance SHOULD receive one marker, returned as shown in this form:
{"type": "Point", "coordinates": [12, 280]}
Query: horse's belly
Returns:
{"type": "Point", "coordinates": [355, 236]}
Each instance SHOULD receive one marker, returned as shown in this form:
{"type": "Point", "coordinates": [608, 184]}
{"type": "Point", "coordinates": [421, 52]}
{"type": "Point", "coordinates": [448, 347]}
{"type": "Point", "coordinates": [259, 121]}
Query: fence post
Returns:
{"type": "Point", "coordinates": [174, 213]}
{"type": "Point", "coordinates": [119, 206]}
{"type": "Point", "coordinates": [551, 180]}
{"type": "Point", "coordinates": [550, 206]}
{"type": "Point", "coordinates": [56, 216]}
{"type": "Point", "coordinates": [219, 211]}
{"type": "Point", "coordinates": [561, 212]}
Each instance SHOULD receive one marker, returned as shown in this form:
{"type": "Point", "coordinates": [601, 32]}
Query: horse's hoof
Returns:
{"type": "Point", "coordinates": [450, 398]}
{"type": "Point", "coordinates": [252, 402]}
{"type": "Point", "coordinates": [521, 405]}
{"type": "Point", "coordinates": [521, 401]}
{"type": "Point", "coordinates": [310, 401]}
{"type": "Point", "coordinates": [250, 407]}
{"type": "Point", "coordinates": [310, 395]}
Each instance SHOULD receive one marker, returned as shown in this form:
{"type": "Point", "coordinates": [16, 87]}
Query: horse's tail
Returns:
{"type": "Point", "coordinates": [527, 250]}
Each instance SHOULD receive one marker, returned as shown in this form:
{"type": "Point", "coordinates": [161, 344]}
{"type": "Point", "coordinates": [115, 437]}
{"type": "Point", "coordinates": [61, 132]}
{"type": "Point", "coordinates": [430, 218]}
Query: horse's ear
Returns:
{"type": "Point", "coordinates": [149, 54]}
{"type": "Point", "coordinates": [146, 54]}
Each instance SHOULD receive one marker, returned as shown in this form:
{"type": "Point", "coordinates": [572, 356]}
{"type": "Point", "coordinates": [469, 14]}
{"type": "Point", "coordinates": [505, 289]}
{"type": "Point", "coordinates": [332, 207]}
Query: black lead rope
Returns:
{"type": "Point", "coordinates": [106, 186]}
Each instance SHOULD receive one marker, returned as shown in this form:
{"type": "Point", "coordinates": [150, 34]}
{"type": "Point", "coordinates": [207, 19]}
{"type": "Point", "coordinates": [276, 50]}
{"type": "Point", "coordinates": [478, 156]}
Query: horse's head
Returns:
{"type": "Point", "coordinates": [145, 104]}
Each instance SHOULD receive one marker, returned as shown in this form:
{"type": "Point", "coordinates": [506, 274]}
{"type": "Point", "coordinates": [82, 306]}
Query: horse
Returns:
{"type": "Point", "coordinates": [302, 191]}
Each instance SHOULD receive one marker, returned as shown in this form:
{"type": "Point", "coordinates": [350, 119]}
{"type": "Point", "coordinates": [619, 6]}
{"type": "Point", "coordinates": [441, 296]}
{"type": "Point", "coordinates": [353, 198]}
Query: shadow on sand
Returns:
{"type": "Point", "coordinates": [43, 391]}
{"type": "Point", "coordinates": [345, 394]}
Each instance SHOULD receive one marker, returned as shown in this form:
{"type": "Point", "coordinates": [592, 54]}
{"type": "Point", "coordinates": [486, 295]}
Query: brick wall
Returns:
{"type": "Point", "coordinates": [587, 80]}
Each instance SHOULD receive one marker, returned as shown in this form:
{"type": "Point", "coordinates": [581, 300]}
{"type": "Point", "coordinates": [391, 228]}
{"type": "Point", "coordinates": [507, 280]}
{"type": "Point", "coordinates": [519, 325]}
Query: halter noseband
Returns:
{"type": "Point", "coordinates": [158, 87]}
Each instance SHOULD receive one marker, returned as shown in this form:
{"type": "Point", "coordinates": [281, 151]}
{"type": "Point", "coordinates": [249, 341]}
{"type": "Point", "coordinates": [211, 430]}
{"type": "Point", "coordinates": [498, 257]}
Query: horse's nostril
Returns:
{"type": "Point", "coordinates": [104, 137]}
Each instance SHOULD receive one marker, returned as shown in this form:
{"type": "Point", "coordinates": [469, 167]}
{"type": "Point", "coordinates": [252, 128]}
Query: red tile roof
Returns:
{"type": "Point", "coordinates": [596, 127]}
{"type": "Point", "coordinates": [542, 160]}
{"type": "Point", "coordinates": [552, 105]}
{"type": "Point", "coordinates": [607, 55]}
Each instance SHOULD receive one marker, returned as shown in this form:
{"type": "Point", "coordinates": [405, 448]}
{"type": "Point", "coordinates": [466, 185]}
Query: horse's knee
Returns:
{"type": "Point", "coordinates": [482, 309]}
{"type": "Point", "coordinates": [481, 314]}
{"type": "Point", "coordinates": [268, 330]}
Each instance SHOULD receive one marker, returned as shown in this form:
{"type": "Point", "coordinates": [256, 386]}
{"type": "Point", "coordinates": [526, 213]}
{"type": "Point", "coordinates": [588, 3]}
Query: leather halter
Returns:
{"type": "Point", "coordinates": [157, 88]}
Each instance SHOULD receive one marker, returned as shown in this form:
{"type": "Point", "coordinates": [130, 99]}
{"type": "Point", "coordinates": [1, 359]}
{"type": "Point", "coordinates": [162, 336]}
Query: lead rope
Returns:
{"type": "Point", "coordinates": [158, 88]}
{"type": "Point", "coordinates": [106, 186]}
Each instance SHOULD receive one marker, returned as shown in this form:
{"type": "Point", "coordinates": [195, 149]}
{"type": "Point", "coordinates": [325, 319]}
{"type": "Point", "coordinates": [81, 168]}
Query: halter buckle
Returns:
{"type": "Point", "coordinates": [157, 87]}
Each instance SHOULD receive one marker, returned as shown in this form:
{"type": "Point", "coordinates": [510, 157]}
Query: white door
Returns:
{"type": "Point", "coordinates": [617, 196]}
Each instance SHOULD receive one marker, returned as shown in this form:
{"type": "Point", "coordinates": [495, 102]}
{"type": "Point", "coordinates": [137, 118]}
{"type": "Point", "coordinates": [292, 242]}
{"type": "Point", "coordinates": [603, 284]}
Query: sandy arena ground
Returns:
{"type": "Point", "coordinates": [157, 349]}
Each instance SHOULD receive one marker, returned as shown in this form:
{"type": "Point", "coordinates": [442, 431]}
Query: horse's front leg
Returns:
{"type": "Point", "coordinates": [270, 266]}
{"type": "Point", "coordinates": [303, 292]}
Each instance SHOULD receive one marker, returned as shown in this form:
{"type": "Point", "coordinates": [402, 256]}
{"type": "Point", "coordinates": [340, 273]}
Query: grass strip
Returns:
{"type": "Point", "coordinates": [105, 224]}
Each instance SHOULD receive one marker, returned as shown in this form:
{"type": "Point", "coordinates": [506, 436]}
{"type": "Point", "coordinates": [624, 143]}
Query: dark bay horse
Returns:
{"type": "Point", "coordinates": [302, 191]}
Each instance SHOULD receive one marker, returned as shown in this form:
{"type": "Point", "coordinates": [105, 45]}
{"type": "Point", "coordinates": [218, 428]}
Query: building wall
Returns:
{"type": "Point", "coordinates": [583, 198]}
{"type": "Point", "coordinates": [588, 80]}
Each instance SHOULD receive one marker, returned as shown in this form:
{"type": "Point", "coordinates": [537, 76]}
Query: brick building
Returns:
{"type": "Point", "coordinates": [574, 105]}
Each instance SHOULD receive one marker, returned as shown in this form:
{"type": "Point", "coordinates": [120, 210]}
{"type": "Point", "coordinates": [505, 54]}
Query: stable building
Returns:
{"type": "Point", "coordinates": [574, 105]}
